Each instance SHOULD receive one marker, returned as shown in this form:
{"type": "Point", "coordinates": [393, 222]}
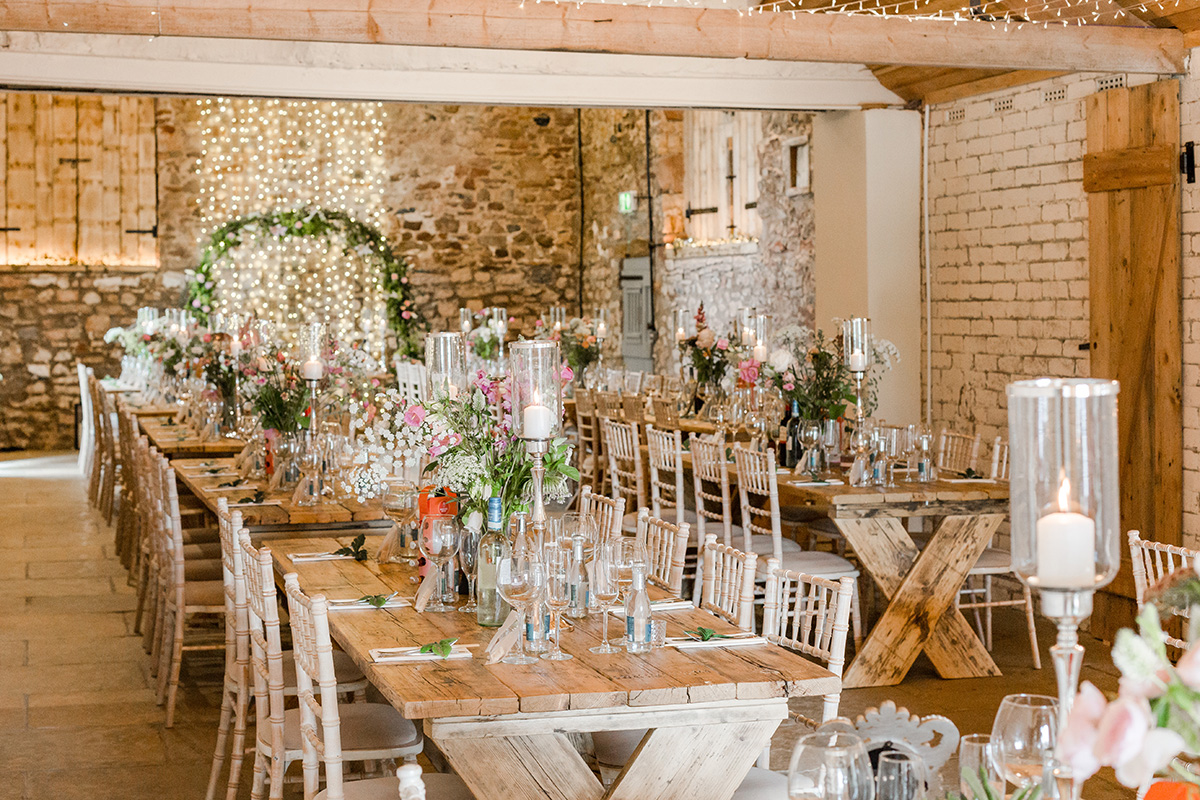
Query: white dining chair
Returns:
{"type": "Point", "coordinates": [714, 507]}
{"type": "Point", "coordinates": [411, 380]}
{"type": "Point", "coordinates": [87, 433]}
{"type": "Point", "coordinates": [665, 546]}
{"type": "Point", "coordinates": [622, 445]}
{"type": "Point", "coordinates": [999, 471]}
{"type": "Point", "coordinates": [1153, 561]}
{"type": "Point", "coordinates": [369, 731]}
{"type": "Point", "coordinates": [667, 484]}
{"type": "Point", "coordinates": [757, 479]}
{"type": "Point", "coordinates": [607, 513]}
{"type": "Point", "coordinates": [957, 452]}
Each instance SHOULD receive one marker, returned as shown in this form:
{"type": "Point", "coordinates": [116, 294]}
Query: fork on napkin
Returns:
{"type": "Point", "coordinates": [660, 605]}
{"type": "Point", "coordinates": [300, 557]}
{"type": "Point", "coordinates": [404, 655]}
{"type": "Point", "coordinates": [351, 605]}
{"type": "Point", "coordinates": [687, 643]}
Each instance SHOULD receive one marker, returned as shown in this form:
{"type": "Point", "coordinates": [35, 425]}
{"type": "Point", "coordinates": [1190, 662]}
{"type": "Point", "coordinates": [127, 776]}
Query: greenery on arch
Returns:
{"type": "Point", "coordinates": [339, 229]}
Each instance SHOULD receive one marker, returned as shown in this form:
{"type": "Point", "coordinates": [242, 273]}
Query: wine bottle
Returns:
{"type": "Point", "coordinates": [637, 613]}
{"type": "Point", "coordinates": [492, 609]}
{"type": "Point", "coordinates": [793, 445]}
{"type": "Point", "coordinates": [577, 580]}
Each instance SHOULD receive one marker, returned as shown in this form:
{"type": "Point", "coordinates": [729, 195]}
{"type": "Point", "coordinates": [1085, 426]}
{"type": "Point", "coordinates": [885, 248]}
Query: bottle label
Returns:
{"type": "Point", "coordinates": [531, 634]}
{"type": "Point", "coordinates": [629, 628]}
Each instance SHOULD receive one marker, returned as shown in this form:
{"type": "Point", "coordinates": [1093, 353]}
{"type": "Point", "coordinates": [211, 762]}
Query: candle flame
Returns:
{"type": "Point", "coordinates": [1064, 495]}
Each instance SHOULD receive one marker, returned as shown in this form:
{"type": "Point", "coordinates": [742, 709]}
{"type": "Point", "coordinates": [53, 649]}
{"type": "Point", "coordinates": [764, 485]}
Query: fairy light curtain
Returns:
{"type": "Point", "coordinates": [261, 156]}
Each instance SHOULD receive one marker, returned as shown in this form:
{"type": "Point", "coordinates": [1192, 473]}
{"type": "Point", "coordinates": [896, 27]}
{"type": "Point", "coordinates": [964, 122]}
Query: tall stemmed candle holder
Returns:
{"type": "Point", "coordinates": [1066, 516]}
{"type": "Point", "coordinates": [500, 324]}
{"type": "Point", "coordinates": [446, 365]}
{"type": "Point", "coordinates": [679, 324]}
{"type": "Point", "coordinates": [312, 370]}
{"type": "Point", "coordinates": [856, 348]}
{"type": "Point", "coordinates": [762, 336]}
{"type": "Point", "coordinates": [537, 411]}
{"type": "Point", "coordinates": [601, 319]}
{"type": "Point", "coordinates": [745, 325]}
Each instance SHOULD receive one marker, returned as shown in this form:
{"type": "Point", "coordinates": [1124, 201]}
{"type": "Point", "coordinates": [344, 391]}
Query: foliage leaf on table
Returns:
{"type": "Point", "coordinates": [377, 600]}
{"type": "Point", "coordinates": [355, 549]}
{"type": "Point", "coordinates": [216, 471]}
{"type": "Point", "coordinates": [981, 788]}
{"type": "Point", "coordinates": [442, 648]}
{"type": "Point", "coordinates": [228, 484]}
{"type": "Point", "coordinates": [971, 474]}
{"type": "Point", "coordinates": [257, 497]}
{"type": "Point", "coordinates": [704, 634]}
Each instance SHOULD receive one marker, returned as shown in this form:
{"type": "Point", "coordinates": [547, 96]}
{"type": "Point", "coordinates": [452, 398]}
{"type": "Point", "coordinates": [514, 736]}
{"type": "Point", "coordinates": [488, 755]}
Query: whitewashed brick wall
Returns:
{"type": "Point", "coordinates": [1008, 224]}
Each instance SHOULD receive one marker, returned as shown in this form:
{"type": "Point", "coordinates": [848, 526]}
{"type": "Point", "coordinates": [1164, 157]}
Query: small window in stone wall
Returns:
{"type": "Point", "coordinates": [720, 164]}
{"type": "Point", "coordinates": [797, 166]}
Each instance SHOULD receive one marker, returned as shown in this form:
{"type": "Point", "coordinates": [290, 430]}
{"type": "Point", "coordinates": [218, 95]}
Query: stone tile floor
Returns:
{"type": "Point", "coordinates": [78, 718]}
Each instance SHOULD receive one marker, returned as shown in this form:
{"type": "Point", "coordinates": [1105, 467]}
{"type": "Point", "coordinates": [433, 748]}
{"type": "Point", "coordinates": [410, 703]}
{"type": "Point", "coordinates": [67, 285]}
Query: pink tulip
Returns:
{"type": "Point", "coordinates": [414, 416]}
{"type": "Point", "coordinates": [566, 374]}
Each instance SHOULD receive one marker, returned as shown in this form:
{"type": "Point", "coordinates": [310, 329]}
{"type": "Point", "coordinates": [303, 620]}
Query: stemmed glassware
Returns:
{"type": "Point", "coordinates": [521, 580]}
{"type": "Point", "coordinates": [628, 551]}
{"type": "Point", "coordinates": [558, 594]}
{"type": "Point", "coordinates": [400, 506]}
{"type": "Point", "coordinates": [439, 541]}
{"type": "Point", "coordinates": [831, 440]}
{"type": "Point", "coordinates": [1024, 736]}
{"type": "Point", "coordinates": [468, 562]}
{"type": "Point", "coordinates": [605, 587]}
{"type": "Point", "coordinates": [976, 757]}
{"type": "Point", "coordinates": [900, 777]}
{"type": "Point", "coordinates": [830, 766]}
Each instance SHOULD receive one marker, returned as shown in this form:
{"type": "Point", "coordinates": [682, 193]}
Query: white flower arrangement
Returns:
{"type": "Point", "coordinates": [395, 436]}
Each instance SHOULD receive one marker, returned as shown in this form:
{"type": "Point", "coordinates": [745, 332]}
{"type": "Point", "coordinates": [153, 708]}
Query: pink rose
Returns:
{"type": "Point", "coordinates": [705, 338]}
{"type": "Point", "coordinates": [414, 416]}
{"type": "Point", "coordinates": [395, 276]}
{"type": "Point", "coordinates": [406, 314]}
{"type": "Point", "coordinates": [787, 387]}
{"type": "Point", "coordinates": [748, 370]}
{"type": "Point", "coordinates": [722, 344]}
{"type": "Point", "coordinates": [1188, 668]}
{"type": "Point", "coordinates": [1122, 730]}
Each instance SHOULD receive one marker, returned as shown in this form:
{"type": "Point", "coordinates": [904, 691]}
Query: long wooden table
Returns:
{"type": "Point", "coordinates": [203, 477]}
{"type": "Point", "coordinates": [505, 728]}
{"type": "Point", "coordinates": [920, 584]}
{"type": "Point", "coordinates": [175, 440]}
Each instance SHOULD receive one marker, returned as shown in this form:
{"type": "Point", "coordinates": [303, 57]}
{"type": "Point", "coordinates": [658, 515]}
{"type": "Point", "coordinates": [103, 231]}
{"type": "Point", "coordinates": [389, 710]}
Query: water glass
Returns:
{"type": "Point", "coordinates": [468, 562]}
{"type": "Point", "coordinates": [558, 594]}
{"type": "Point", "coordinates": [521, 581]}
{"type": "Point", "coordinates": [975, 758]}
{"type": "Point", "coordinates": [900, 777]}
{"type": "Point", "coordinates": [1024, 736]}
{"type": "Point", "coordinates": [830, 766]}
{"type": "Point", "coordinates": [439, 541]}
{"type": "Point", "coordinates": [605, 587]}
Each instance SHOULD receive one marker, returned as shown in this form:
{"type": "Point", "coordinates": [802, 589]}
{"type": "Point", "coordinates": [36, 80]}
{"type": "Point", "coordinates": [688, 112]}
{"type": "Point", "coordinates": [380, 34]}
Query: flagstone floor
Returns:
{"type": "Point", "coordinates": [78, 719]}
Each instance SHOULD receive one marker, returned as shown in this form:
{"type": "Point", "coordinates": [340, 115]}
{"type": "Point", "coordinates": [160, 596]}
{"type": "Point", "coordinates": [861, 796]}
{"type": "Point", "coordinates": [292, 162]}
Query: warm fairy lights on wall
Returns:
{"type": "Point", "coordinates": [269, 155]}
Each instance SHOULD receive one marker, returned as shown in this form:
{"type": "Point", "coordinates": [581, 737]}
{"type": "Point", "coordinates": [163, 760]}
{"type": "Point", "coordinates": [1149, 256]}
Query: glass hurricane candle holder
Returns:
{"type": "Point", "coordinates": [446, 364]}
{"type": "Point", "coordinates": [466, 320]}
{"type": "Point", "coordinates": [856, 349]}
{"type": "Point", "coordinates": [745, 325]}
{"type": "Point", "coordinates": [679, 324]}
{"type": "Point", "coordinates": [762, 337]}
{"type": "Point", "coordinates": [1065, 512]}
{"type": "Point", "coordinates": [536, 393]}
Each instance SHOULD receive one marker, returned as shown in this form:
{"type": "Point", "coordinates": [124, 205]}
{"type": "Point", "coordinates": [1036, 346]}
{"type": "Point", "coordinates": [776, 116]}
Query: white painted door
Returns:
{"type": "Point", "coordinates": [637, 343]}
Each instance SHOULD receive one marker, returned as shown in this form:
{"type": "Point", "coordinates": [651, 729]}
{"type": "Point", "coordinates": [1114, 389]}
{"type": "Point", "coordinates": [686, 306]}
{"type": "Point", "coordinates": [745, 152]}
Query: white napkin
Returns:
{"type": "Point", "coordinates": [970, 480]}
{"type": "Point", "coordinates": [276, 477]}
{"type": "Point", "coordinates": [696, 644]}
{"type": "Point", "coordinates": [659, 605]}
{"type": "Point", "coordinates": [354, 605]}
{"type": "Point", "coordinates": [207, 474]}
{"type": "Point", "coordinates": [834, 482]}
{"type": "Point", "coordinates": [426, 590]}
{"type": "Point", "coordinates": [261, 503]}
{"type": "Point", "coordinates": [404, 655]}
{"type": "Point", "coordinates": [505, 638]}
{"type": "Point", "coordinates": [301, 557]}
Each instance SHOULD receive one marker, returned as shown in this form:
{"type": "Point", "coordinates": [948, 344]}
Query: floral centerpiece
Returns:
{"type": "Point", "coordinates": [810, 369]}
{"type": "Point", "coordinates": [484, 338]}
{"type": "Point", "coordinates": [277, 391]}
{"type": "Point", "coordinates": [709, 354]}
{"type": "Point", "coordinates": [396, 436]}
{"type": "Point", "coordinates": [1156, 716]}
{"type": "Point", "coordinates": [477, 456]}
{"type": "Point", "coordinates": [580, 348]}
{"type": "Point", "coordinates": [133, 339]}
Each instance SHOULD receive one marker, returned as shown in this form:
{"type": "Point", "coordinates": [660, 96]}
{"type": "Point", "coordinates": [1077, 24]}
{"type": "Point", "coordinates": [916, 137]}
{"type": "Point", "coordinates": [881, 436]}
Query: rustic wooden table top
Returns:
{"type": "Point", "coordinates": [468, 687]}
{"type": "Point", "coordinates": [174, 440]}
{"type": "Point", "coordinates": [204, 477]}
{"type": "Point", "coordinates": [140, 406]}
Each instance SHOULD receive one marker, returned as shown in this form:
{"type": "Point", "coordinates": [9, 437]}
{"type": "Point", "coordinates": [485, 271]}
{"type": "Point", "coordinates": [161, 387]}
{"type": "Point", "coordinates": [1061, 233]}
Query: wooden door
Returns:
{"type": "Point", "coordinates": [1131, 175]}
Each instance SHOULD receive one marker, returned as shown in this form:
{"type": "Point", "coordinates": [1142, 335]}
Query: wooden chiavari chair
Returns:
{"type": "Point", "coordinates": [633, 407]}
{"type": "Point", "coordinates": [665, 546]}
{"type": "Point", "coordinates": [87, 431]}
{"type": "Point", "coordinates": [1153, 561]}
{"type": "Point", "coordinates": [607, 512]}
{"type": "Point", "coordinates": [622, 444]}
{"type": "Point", "coordinates": [587, 439]}
{"type": "Point", "coordinates": [666, 413]}
{"type": "Point", "coordinates": [608, 405]}
{"type": "Point", "coordinates": [957, 452]}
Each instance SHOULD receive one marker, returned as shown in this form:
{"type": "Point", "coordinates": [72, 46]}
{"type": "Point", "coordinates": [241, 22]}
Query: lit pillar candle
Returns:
{"type": "Point", "coordinates": [760, 352]}
{"type": "Point", "coordinates": [680, 335]}
{"type": "Point", "coordinates": [858, 361]}
{"type": "Point", "coordinates": [235, 348]}
{"type": "Point", "coordinates": [312, 370]}
{"type": "Point", "coordinates": [1066, 547]}
{"type": "Point", "coordinates": [601, 331]}
{"type": "Point", "coordinates": [537, 419]}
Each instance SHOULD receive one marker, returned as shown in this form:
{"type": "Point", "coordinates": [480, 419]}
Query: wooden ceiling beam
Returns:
{"type": "Point", "coordinates": [604, 28]}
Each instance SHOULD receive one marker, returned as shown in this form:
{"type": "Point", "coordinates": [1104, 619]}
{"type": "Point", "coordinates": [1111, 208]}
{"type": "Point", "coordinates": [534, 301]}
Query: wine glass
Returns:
{"type": "Point", "coordinates": [976, 757]}
{"type": "Point", "coordinates": [468, 562]}
{"type": "Point", "coordinates": [900, 777]}
{"type": "Point", "coordinates": [439, 541]}
{"type": "Point", "coordinates": [605, 588]}
{"type": "Point", "coordinates": [830, 766]}
{"type": "Point", "coordinates": [831, 440]}
{"type": "Point", "coordinates": [810, 438]}
{"type": "Point", "coordinates": [520, 581]}
{"type": "Point", "coordinates": [400, 506]}
{"type": "Point", "coordinates": [558, 594]}
{"type": "Point", "coordinates": [1024, 736]}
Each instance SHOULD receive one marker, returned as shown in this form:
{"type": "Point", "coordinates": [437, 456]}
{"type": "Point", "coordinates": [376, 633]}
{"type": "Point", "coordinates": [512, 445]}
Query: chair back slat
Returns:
{"type": "Point", "coordinates": [622, 443]}
{"type": "Point", "coordinates": [810, 615]}
{"type": "Point", "coordinates": [666, 456]}
{"type": "Point", "coordinates": [666, 545]}
{"type": "Point", "coordinates": [757, 480]}
{"type": "Point", "coordinates": [728, 590]}
{"type": "Point", "coordinates": [607, 512]}
{"type": "Point", "coordinates": [999, 460]}
{"type": "Point", "coordinates": [957, 452]}
{"type": "Point", "coordinates": [709, 466]}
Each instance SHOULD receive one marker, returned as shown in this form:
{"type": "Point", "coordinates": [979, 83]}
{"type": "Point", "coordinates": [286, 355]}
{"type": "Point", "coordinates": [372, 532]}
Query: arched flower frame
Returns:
{"type": "Point", "coordinates": [336, 227]}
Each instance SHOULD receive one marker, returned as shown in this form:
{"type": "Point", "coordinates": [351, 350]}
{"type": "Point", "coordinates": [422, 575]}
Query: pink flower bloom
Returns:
{"type": "Point", "coordinates": [722, 344]}
{"type": "Point", "coordinates": [566, 374]}
{"type": "Point", "coordinates": [748, 370]}
{"type": "Point", "coordinates": [206, 338]}
{"type": "Point", "coordinates": [1122, 731]}
{"type": "Point", "coordinates": [406, 314]}
{"type": "Point", "coordinates": [395, 276]}
{"type": "Point", "coordinates": [414, 416]}
{"type": "Point", "coordinates": [1077, 744]}
{"type": "Point", "coordinates": [404, 279]}
{"type": "Point", "coordinates": [787, 387]}
{"type": "Point", "coordinates": [1188, 668]}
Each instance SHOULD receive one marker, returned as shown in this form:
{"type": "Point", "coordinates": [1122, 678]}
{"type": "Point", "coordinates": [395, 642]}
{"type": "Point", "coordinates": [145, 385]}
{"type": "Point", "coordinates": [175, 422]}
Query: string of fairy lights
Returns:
{"type": "Point", "coordinates": [262, 156]}
{"type": "Point", "coordinates": [1005, 14]}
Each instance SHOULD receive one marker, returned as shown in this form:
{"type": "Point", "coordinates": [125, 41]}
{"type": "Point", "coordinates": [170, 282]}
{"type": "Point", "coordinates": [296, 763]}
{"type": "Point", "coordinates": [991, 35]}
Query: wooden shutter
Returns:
{"type": "Point", "coordinates": [79, 181]}
{"type": "Point", "coordinates": [1136, 300]}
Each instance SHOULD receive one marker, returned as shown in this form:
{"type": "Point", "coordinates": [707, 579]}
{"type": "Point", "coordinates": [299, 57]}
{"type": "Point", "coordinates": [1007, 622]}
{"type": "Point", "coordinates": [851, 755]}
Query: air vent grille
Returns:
{"type": "Point", "coordinates": [1054, 95]}
{"type": "Point", "coordinates": [1003, 104]}
{"type": "Point", "coordinates": [1110, 82]}
{"type": "Point", "coordinates": [956, 114]}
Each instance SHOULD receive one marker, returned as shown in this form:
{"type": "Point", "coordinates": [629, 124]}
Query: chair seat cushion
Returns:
{"type": "Point", "coordinates": [614, 748]}
{"type": "Point", "coordinates": [993, 562]}
{"type": "Point", "coordinates": [763, 544]}
{"type": "Point", "coordinates": [810, 562]}
{"type": "Point", "coordinates": [202, 570]}
{"type": "Point", "coordinates": [629, 521]}
{"type": "Point", "coordinates": [762, 784]}
{"type": "Point", "coordinates": [343, 667]}
{"type": "Point", "coordinates": [438, 786]}
{"type": "Point", "coordinates": [204, 593]}
{"type": "Point", "coordinates": [366, 727]}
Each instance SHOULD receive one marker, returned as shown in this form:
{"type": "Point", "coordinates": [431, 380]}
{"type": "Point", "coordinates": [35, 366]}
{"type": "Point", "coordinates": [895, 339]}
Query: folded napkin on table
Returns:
{"type": "Point", "coordinates": [352, 605]}
{"type": "Point", "coordinates": [696, 644]}
{"type": "Point", "coordinates": [238, 504]}
{"type": "Point", "coordinates": [970, 480]}
{"type": "Point", "coordinates": [298, 557]}
{"type": "Point", "coordinates": [426, 590]}
{"type": "Point", "coordinates": [834, 482]}
{"type": "Point", "coordinates": [505, 639]}
{"type": "Point", "coordinates": [660, 605]}
{"type": "Point", "coordinates": [401, 655]}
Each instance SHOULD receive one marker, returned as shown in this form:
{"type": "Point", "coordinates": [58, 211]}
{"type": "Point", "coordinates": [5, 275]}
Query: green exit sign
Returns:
{"type": "Point", "coordinates": [627, 202]}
